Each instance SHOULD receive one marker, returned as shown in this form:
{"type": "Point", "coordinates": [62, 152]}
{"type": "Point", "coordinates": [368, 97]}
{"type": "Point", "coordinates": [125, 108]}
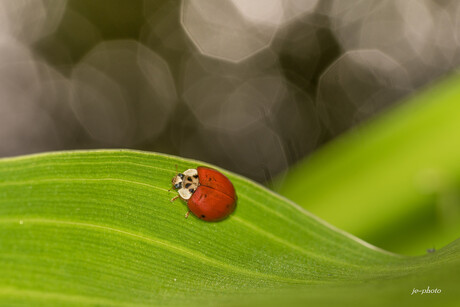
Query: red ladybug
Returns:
{"type": "Point", "coordinates": [208, 193]}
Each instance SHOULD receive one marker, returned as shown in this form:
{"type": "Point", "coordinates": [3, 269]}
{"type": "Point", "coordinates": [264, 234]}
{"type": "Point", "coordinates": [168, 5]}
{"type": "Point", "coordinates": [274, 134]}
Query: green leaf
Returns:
{"type": "Point", "coordinates": [395, 181]}
{"type": "Point", "coordinates": [98, 228]}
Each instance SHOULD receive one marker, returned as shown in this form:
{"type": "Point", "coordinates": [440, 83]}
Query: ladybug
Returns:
{"type": "Point", "coordinates": [208, 193]}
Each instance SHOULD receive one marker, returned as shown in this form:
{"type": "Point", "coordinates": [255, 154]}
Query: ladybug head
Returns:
{"type": "Point", "coordinates": [177, 181]}
{"type": "Point", "coordinates": [186, 183]}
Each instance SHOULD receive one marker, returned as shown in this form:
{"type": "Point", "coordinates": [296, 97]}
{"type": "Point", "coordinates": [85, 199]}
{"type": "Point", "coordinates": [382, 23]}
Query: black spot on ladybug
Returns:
{"type": "Point", "coordinates": [187, 185]}
{"type": "Point", "coordinates": [189, 178]}
{"type": "Point", "coordinates": [191, 190]}
{"type": "Point", "coordinates": [203, 216]}
{"type": "Point", "coordinates": [181, 176]}
{"type": "Point", "coordinates": [195, 176]}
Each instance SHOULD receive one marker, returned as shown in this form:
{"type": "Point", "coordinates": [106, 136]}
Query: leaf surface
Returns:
{"type": "Point", "coordinates": [98, 228]}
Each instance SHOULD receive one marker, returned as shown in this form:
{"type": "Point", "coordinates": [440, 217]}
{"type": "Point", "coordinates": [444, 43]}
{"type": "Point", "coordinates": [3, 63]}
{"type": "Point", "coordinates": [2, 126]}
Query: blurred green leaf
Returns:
{"type": "Point", "coordinates": [98, 228]}
{"type": "Point", "coordinates": [395, 181]}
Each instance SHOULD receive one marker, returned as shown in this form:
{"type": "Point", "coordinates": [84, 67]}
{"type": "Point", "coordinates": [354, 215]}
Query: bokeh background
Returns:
{"type": "Point", "coordinates": [253, 86]}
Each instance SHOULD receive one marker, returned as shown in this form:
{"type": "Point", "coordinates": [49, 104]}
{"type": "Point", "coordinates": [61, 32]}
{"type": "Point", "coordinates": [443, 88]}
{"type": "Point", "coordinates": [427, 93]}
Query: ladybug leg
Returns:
{"type": "Point", "coordinates": [174, 198]}
{"type": "Point", "coordinates": [187, 214]}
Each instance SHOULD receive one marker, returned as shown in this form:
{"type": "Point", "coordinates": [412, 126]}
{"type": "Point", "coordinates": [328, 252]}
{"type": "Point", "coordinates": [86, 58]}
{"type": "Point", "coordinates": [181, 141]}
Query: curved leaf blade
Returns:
{"type": "Point", "coordinates": [98, 228]}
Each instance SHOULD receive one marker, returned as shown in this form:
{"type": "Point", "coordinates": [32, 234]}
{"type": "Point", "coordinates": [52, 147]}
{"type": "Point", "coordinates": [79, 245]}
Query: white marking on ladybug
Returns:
{"type": "Point", "coordinates": [186, 183]}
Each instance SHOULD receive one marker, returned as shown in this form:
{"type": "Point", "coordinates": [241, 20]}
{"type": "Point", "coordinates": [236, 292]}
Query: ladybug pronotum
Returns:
{"type": "Point", "coordinates": [208, 193]}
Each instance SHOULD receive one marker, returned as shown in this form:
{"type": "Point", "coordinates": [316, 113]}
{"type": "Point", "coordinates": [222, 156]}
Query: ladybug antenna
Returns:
{"type": "Point", "coordinates": [177, 173]}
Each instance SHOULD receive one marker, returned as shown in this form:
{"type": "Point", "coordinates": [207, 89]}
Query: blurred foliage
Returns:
{"type": "Point", "coordinates": [394, 181]}
{"type": "Point", "coordinates": [266, 83]}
